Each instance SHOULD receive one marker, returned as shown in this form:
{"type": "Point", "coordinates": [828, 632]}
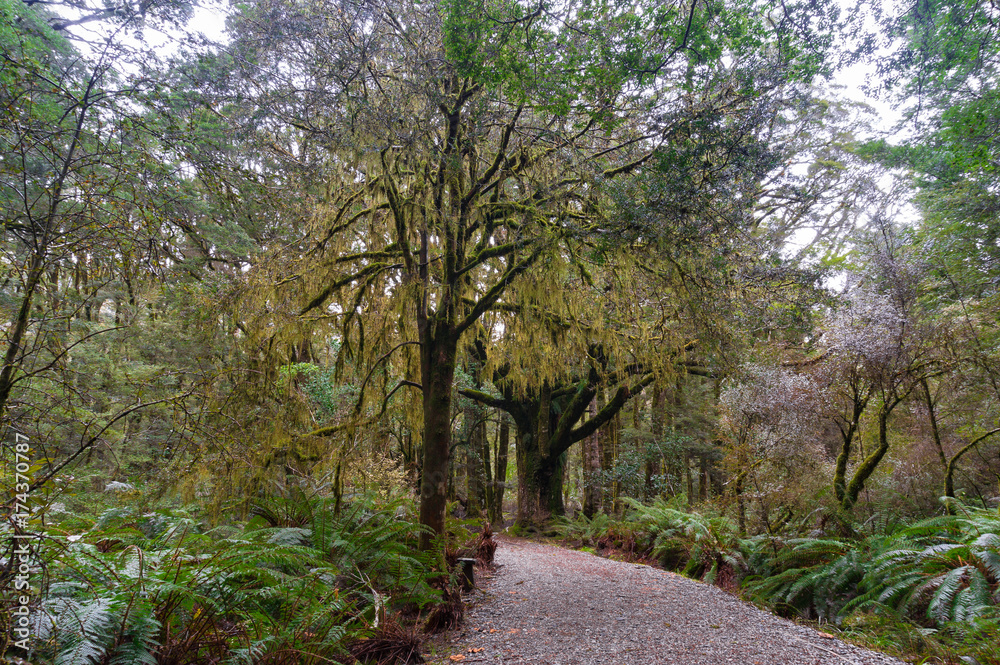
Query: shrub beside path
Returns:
{"type": "Point", "coordinates": [549, 605]}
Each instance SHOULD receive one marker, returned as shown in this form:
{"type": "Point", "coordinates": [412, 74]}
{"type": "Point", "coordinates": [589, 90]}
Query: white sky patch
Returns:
{"type": "Point", "coordinates": [210, 20]}
{"type": "Point", "coordinates": [885, 122]}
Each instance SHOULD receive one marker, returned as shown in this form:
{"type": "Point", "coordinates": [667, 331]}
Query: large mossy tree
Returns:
{"type": "Point", "coordinates": [467, 145]}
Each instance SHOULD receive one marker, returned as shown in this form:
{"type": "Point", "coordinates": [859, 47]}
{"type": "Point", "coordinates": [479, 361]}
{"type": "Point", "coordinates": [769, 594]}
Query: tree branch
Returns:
{"type": "Point", "coordinates": [491, 296]}
{"type": "Point", "coordinates": [375, 365]}
{"type": "Point", "coordinates": [485, 398]}
{"type": "Point", "coordinates": [322, 296]}
{"type": "Point", "coordinates": [90, 441]}
{"type": "Point", "coordinates": [614, 405]}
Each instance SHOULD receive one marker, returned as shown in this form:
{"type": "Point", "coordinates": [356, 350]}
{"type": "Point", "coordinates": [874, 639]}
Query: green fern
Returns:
{"type": "Point", "coordinates": [88, 632]}
{"type": "Point", "coordinates": [947, 572]}
{"type": "Point", "coordinates": [585, 530]}
{"type": "Point", "coordinates": [138, 640]}
{"type": "Point", "coordinates": [696, 544]}
{"type": "Point", "coordinates": [823, 577]}
{"type": "Point", "coordinates": [156, 587]}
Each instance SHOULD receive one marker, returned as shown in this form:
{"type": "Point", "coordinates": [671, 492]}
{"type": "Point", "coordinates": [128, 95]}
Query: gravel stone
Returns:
{"type": "Point", "coordinates": [549, 605]}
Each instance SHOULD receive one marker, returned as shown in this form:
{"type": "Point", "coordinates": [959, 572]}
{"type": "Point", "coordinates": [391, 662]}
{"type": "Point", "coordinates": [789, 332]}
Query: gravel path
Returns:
{"type": "Point", "coordinates": [560, 607]}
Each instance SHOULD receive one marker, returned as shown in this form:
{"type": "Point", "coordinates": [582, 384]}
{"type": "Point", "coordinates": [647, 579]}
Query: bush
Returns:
{"type": "Point", "coordinates": [583, 530]}
{"type": "Point", "coordinates": [703, 546]}
{"type": "Point", "coordinates": [927, 588]}
{"type": "Point", "coordinates": [295, 585]}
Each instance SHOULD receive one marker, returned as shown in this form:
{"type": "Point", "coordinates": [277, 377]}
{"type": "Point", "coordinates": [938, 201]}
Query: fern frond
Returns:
{"type": "Point", "coordinates": [947, 587]}
{"type": "Point", "coordinates": [990, 559]}
{"type": "Point", "coordinates": [974, 600]}
{"type": "Point", "coordinates": [938, 550]}
{"type": "Point", "coordinates": [988, 540]}
{"type": "Point", "coordinates": [138, 642]}
{"type": "Point", "coordinates": [86, 632]}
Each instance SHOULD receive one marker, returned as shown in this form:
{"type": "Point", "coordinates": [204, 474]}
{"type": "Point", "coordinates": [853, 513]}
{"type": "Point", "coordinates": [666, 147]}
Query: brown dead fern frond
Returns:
{"type": "Point", "coordinates": [486, 546]}
{"type": "Point", "coordinates": [448, 613]}
{"type": "Point", "coordinates": [392, 643]}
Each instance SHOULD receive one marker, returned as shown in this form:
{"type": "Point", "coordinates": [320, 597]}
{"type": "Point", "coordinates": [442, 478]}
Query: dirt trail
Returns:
{"type": "Point", "coordinates": [561, 607]}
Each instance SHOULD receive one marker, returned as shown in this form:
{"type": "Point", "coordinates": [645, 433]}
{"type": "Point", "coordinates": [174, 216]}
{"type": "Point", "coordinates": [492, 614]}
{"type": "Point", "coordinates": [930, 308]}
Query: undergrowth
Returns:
{"type": "Point", "coordinates": [297, 583]}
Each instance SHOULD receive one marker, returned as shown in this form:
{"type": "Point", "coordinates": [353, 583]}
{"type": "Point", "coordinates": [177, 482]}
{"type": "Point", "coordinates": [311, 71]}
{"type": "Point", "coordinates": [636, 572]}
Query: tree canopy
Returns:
{"type": "Point", "coordinates": [614, 257]}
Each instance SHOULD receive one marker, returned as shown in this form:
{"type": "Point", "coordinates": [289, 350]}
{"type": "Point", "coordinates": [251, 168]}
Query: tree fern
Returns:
{"type": "Point", "coordinates": [251, 654]}
{"type": "Point", "coordinates": [138, 642]}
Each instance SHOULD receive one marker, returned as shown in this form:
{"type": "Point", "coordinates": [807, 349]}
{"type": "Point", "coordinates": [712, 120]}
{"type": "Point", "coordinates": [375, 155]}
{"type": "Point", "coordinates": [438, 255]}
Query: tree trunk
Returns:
{"type": "Point", "coordinates": [551, 485]}
{"type": "Point", "coordinates": [18, 328]}
{"type": "Point", "coordinates": [847, 440]}
{"type": "Point", "coordinates": [438, 356]}
{"type": "Point", "coordinates": [591, 469]}
{"type": "Point", "coordinates": [539, 475]}
{"type": "Point", "coordinates": [610, 434]}
{"type": "Point", "coordinates": [473, 463]}
{"type": "Point", "coordinates": [870, 463]}
{"type": "Point", "coordinates": [949, 475]}
{"type": "Point", "coordinates": [657, 417]}
{"type": "Point", "coordinates": [741, 505]}
{"type": "Point", "coordinates": [847, 434]}
{"type": "Point", "coordinates": [689, 481]}
{"type": "Point", "coordinates": [528, 498]}
{"type": "Point", "coordinates": [932, 417]}
{"type": "Point", "coordinates": [486, 486]}
{"type": "Point", "coordinates": [533, 421]}
{"type": "Point", "coordinates": [703, 479]}
{"type": "Point", "coordinates": [500, 474]}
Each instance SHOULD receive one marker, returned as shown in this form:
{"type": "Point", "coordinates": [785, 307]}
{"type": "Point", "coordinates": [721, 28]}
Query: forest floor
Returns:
{"type": "Point", "coordinates": [548, 605]}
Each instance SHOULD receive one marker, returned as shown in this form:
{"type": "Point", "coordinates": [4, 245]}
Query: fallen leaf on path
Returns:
{"type": "Point", "coordinates": [457, 658]}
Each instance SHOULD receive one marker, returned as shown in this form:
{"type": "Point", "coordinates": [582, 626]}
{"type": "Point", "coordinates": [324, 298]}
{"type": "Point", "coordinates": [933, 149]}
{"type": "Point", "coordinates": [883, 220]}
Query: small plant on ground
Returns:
{"type": "Point", "coordinates": [706, 547]}
{"type": "Point", "coordinates": [583, 530]}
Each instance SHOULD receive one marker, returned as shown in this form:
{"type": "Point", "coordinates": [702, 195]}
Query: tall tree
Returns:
{"type": "Point", "coordinates": [83, 197]}
{"type": "Point", "coordinates": [880, 352]}
{"type": "Point", "coordinates": [466, 146]}
{"type": "Point", "coordinates": [942, 71]}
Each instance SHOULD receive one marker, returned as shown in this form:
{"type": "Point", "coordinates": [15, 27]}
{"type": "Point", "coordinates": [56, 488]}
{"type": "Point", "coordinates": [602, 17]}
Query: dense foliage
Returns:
{"type": "Point", "coordinates": [295, 584]}
{"type": "Point", "coordinates": [277, 311]}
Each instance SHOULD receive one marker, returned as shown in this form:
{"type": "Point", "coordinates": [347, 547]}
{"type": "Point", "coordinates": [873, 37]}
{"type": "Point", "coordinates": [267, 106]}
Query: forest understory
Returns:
{"type": "Point", "coordinates": [298, 296]}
